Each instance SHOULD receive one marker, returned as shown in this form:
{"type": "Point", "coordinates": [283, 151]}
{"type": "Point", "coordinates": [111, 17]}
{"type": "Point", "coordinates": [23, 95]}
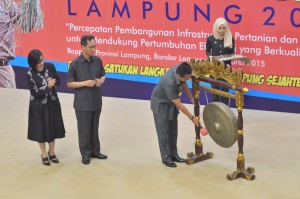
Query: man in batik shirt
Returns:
{"type": "Point", "coordinates": [9, 12]}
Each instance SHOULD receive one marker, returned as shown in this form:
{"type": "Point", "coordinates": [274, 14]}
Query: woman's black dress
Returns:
{"type": "Point", "coordinates": [45, 122]}
{"type": "Point", "coordinates": [215, 47]}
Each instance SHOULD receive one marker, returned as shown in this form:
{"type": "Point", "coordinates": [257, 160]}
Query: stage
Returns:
{"type": "Point", "coordinates": [134, 168]}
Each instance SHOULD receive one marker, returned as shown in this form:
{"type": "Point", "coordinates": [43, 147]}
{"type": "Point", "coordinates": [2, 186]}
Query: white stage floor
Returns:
{"type": "Point", "coordinates": [134, 168]}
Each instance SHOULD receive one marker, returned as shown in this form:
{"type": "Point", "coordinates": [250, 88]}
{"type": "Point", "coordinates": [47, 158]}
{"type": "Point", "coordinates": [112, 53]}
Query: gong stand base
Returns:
{"type": "Point", "coordinates": [198, 155]}
{"type": "Point", "coordinates": [192, 158]}
{"type": "Point", "coordinates": [245, 173]}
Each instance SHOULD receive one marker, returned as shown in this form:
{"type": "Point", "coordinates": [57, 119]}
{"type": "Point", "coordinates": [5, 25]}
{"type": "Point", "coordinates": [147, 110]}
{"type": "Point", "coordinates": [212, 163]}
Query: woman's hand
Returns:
{"type": "Point", "coordinates": [51, 82]}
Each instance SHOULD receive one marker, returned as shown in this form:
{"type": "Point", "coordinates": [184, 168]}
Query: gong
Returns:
{"type": "Point", "coordinates": [221, 124]}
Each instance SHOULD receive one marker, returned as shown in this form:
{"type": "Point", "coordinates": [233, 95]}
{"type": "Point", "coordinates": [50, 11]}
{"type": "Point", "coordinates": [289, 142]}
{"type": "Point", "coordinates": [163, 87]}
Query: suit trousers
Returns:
{"type": "Point", "coordinates": [167, 133]}
{"type": "Point", "coordinates": [88, 135]}
{"type": "Point", "coordinates": [7, 77]}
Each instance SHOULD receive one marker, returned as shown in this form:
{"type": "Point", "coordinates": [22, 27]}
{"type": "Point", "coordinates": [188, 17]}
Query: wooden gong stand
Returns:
{"type": "Point", "coordinates": [209, 71]}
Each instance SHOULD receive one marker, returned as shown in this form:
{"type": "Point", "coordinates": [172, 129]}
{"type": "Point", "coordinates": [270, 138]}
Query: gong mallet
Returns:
{"type": "Point", "coordinates": [203, 130]}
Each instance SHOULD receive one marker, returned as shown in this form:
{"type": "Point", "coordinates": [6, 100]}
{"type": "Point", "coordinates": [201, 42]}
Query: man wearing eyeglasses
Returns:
{"type": "Point", "coordinates": [87, 75]}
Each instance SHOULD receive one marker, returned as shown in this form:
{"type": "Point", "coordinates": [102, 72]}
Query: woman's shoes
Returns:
{"type": "Point", "coordinates": [53, 158]}
{"type": "Point", "coordinates": [45, 161]}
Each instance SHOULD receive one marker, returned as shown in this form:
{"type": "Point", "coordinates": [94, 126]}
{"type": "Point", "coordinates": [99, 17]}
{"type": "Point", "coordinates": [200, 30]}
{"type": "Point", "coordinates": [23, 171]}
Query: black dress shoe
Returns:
{"type": "Point", "coordinates": [177, 159]}
{"type": "Point", "coordinates": [53, 158]}
{"type": "Point", "coordinates": [85, 161]}
{"type": "Point", "coordinates": [99, 156]}
{"type": "Point", "coordinates": [170, 163]}
{"type": "Point", "coordinates": [45, 161]}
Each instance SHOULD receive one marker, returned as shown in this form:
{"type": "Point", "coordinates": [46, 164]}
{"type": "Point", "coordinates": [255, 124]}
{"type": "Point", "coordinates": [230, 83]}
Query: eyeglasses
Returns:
{"type": "Point", "coordinates": [42, 59]}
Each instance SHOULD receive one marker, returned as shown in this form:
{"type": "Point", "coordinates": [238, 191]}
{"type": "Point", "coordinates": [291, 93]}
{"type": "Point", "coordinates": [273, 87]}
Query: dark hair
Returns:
{"type": "Point", "coordinates": [85, 38]}
{"type": "Point", "coordinates": [184, 69]}
{"type": "Point", "coordinates": [34, 57]}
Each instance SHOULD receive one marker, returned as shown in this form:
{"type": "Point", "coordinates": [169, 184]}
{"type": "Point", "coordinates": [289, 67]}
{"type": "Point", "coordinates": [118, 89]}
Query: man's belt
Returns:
{"type": "Point", "coordinates": [4, 62]}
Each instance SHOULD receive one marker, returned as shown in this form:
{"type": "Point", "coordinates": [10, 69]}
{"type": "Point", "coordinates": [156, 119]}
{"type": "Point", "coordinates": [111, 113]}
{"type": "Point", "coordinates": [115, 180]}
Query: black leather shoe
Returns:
{"type": "Point", "coordinates": [177, 159]}
{"type": "Point", "coordinates": [99, 156]}
{"type": "Point", "coordinates": [45, 161]}
{"type": "Point", "coordinates": [170, 163]}
{"type": "Point", "coordinates": [53, 158]}
{"type": "Point", "coordinates": [85, 161]}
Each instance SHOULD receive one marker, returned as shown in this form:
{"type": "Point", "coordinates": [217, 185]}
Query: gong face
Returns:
{"type": "Point", "coordinates": [221, 124]}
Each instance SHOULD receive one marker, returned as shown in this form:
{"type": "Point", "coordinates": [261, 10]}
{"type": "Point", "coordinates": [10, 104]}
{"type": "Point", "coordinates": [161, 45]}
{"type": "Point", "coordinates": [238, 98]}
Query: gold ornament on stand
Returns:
{"type": "Point", "coordinates": [223, 126]}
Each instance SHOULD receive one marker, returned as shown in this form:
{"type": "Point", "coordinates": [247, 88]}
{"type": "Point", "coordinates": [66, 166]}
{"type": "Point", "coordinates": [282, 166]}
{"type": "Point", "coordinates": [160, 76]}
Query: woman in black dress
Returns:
{"type": "Point", "coordinates": [220, 43]}
{"type": "Point", "coordinates": [45, 123]}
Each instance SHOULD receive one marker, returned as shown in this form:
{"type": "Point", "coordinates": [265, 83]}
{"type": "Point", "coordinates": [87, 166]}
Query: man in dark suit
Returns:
{"type": "Point", "coordinates": [165, 104]}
